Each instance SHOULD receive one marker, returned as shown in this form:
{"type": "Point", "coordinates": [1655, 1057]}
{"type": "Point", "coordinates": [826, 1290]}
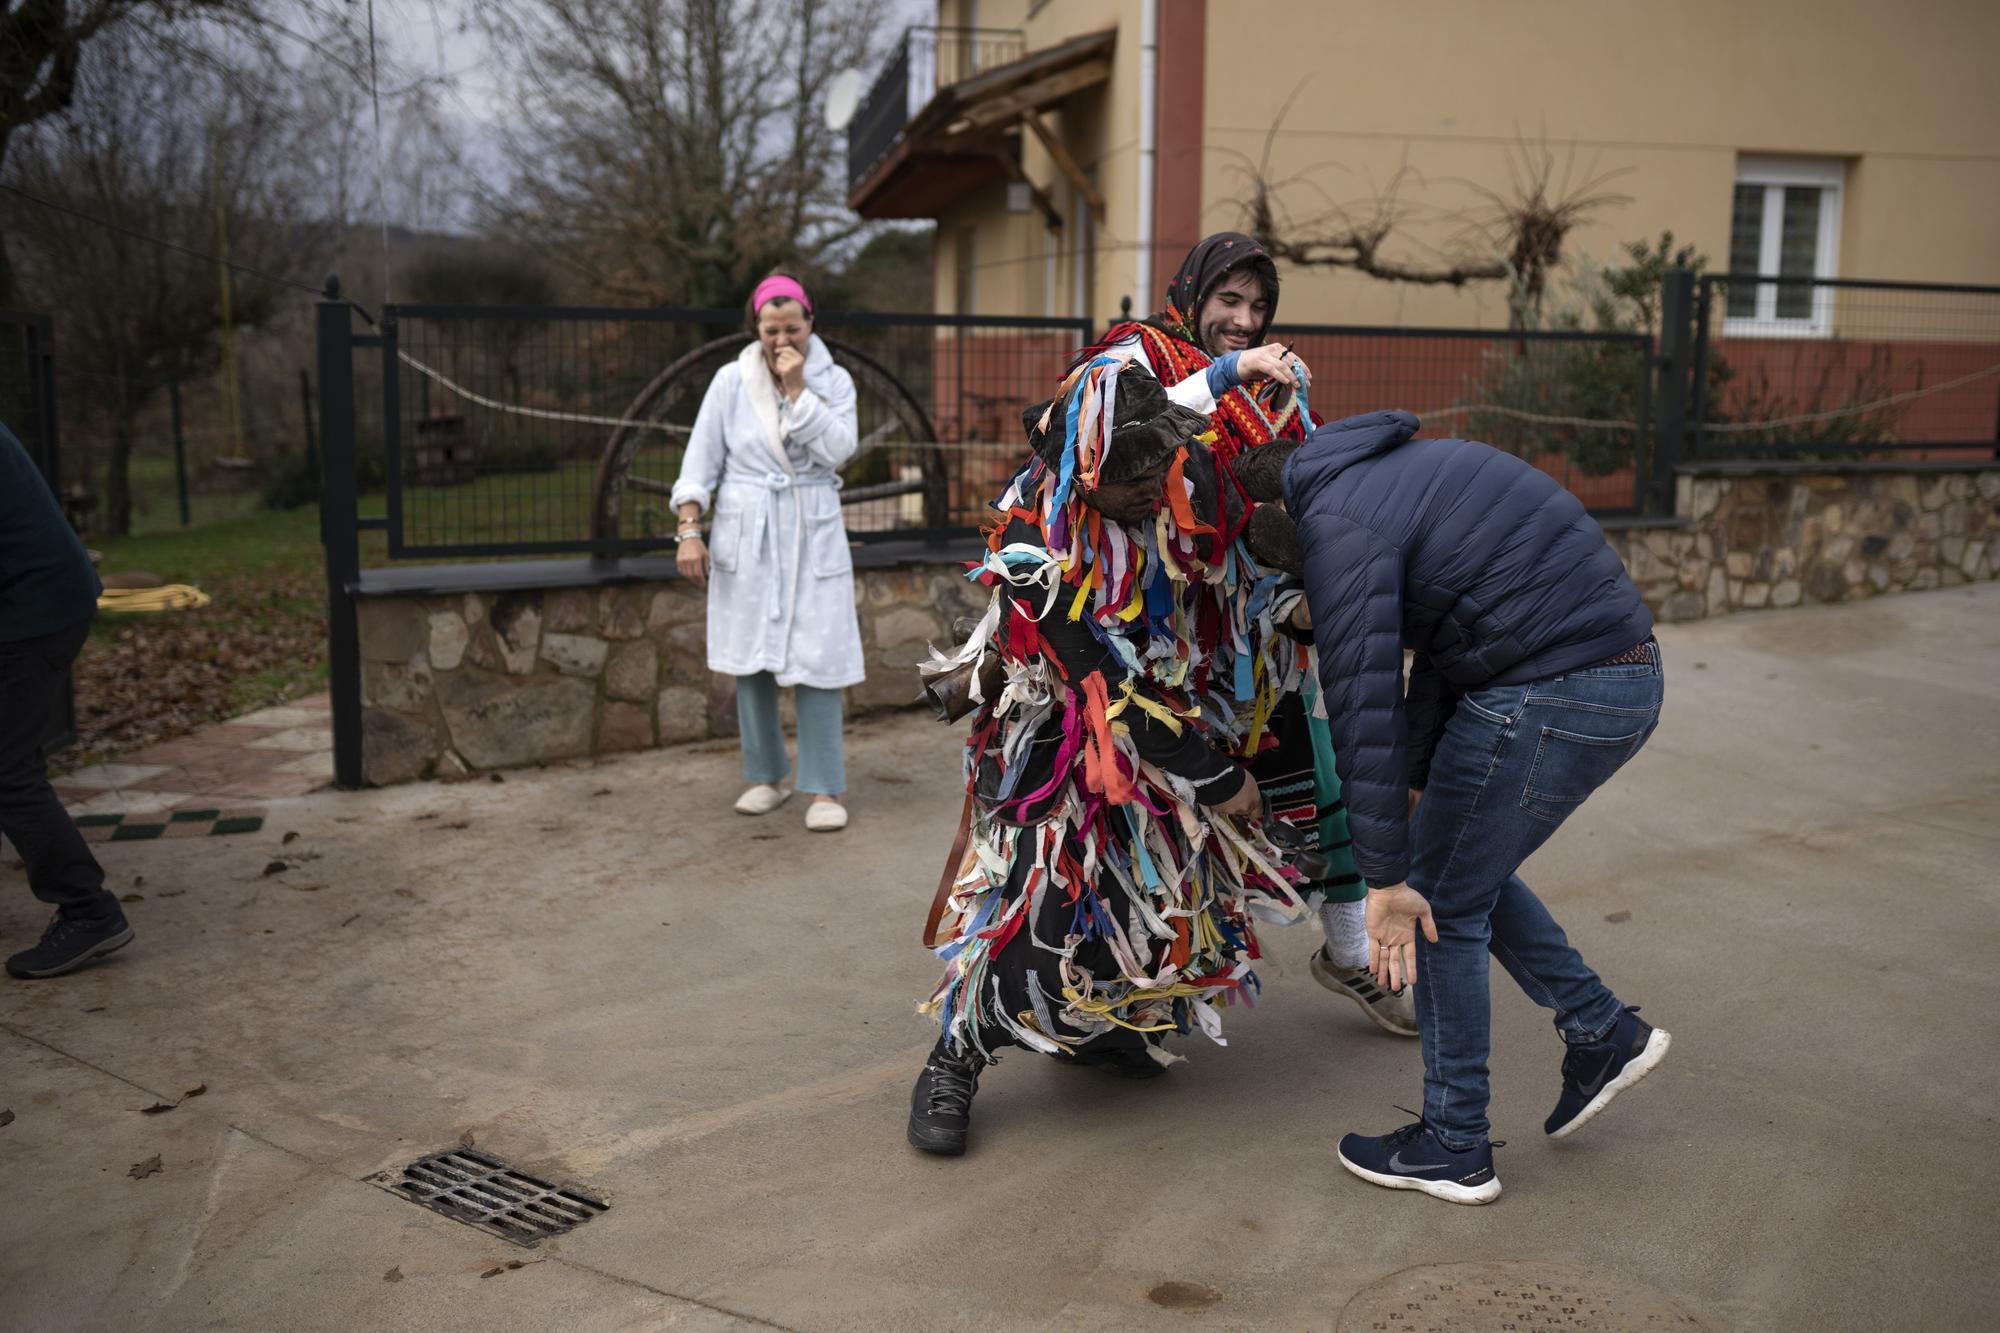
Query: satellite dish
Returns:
{"type": "Point", "coordinates": [843, 99]}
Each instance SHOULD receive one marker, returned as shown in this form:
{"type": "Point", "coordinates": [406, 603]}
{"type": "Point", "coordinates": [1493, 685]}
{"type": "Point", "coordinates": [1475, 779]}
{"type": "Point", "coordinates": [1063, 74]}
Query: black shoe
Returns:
{"type": "Point", "coordinates": [1595, 1073]}
{"type": "Point", "coordinates": [941, 1103]}
{"type": "Point", "coordinates": [1124, 1061]}
{"type": "Point", "coordinates": [72, 939]}
{"type": "Point", "coordinates": [1415, 1158]}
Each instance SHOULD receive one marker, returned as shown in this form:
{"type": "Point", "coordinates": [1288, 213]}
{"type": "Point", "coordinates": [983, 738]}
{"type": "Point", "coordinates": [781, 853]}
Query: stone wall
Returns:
{"type": "Point", "coordinates": [473, 681]}
{"type": "Point", "coordinates": [1748, 537]}
{"type": "Point", "coordinates": [453, 684]}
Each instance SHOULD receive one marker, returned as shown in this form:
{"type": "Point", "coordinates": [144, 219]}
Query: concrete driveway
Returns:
{"type": "Point", "coordinates": [605, 977]}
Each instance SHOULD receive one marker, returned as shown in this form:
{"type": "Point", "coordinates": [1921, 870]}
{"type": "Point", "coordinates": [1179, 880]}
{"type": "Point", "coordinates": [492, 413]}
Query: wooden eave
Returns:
{"type": "Point", "coordinates": [957, 142]}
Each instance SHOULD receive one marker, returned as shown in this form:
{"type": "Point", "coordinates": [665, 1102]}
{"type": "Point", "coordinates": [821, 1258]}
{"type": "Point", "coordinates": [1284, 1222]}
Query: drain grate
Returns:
{"type": "Point", "coordinates": [482, 1191]}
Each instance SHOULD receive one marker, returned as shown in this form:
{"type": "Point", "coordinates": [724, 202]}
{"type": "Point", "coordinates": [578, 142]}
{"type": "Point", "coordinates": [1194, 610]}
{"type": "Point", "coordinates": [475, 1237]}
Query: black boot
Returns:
{"type": "Point", "coordinates": [941, 1103]}
{"type": "Point", "coordinates": [73, 938]}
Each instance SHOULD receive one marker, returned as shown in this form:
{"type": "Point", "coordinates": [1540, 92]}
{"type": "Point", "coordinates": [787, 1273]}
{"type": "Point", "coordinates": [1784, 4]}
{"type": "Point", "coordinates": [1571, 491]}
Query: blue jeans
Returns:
{"type": "Point", "coordinates": [822, 767]}
{"type": "Point", "coordinates": [1514, 762]}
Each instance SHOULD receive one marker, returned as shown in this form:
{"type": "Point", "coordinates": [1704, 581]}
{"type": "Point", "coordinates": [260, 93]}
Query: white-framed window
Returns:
{"type": "Point", "coordinates": [1785, 222]}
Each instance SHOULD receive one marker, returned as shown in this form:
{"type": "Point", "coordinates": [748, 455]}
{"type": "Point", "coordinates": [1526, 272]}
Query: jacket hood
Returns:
{"type": "Point", "coordinates": [1338, 445]}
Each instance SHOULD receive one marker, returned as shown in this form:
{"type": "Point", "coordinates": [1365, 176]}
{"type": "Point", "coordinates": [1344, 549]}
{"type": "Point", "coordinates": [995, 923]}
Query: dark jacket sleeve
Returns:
{"type": "Point", "coordinates": [1077, 652]}
{"type": "Point", "coordinates": [1354, 579]}
{"type": "Point", "coordinates": [1428, 704]}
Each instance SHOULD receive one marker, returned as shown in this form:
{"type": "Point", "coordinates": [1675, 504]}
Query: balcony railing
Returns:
{"type": "Point", "coordinates": [926, 60]}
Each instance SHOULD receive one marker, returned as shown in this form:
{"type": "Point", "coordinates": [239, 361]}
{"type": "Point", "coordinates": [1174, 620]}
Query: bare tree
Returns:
{"type": "Point", "coordinates": [44, 45]}
{"type": "Point", "coordinates": [150, 168]}
{"type": "Point", "coordinates": [670, 150]}
{"type": "Point", "coordinates": [1514, 236]}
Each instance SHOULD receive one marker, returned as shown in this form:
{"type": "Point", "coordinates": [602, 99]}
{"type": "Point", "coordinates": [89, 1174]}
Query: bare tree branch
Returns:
{"type": "Point", "coordinates": [1516, 236]}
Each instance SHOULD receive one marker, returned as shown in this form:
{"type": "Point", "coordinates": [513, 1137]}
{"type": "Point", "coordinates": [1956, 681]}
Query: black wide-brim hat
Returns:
{"type": "Point", "coordinates": [1147, 427]}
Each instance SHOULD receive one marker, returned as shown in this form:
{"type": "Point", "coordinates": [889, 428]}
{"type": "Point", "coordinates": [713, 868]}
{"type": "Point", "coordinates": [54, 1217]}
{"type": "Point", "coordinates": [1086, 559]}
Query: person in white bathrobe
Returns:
{"type": "Point", "coordinates": [773, 432]}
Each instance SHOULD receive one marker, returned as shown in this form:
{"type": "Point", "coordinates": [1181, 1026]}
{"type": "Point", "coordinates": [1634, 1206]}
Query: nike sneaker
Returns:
{"type": "Point", "coordinates": [1414, 1158]}
{"type": "Point", "coordinates": [1595, 1072]}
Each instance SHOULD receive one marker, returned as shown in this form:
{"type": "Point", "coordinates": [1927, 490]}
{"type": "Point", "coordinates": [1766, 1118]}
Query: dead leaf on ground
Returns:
{"type": "Point", "coordinates": [496, 777]}
{"type": "Point", "coordinates": [456, 823]}
{"type": "Point", "coordinates": [171, 893]}
{"type": "Point", "coordinates": [351, 920]}
{"type": "Point", "coordinates": [138, 881]}
{"type": "Point", "coordinates": [98, 1010]}
{"type": "Point", "coordinates": [288, 839]}
{"type": "Point", "coordinates": [141, 683]}
{"type": "Point", "coordinates": [602, 791]}
{"type": "Point", "coordinates": [305, 888]}
{"type": "Point", "coordinates": [158, 1108]}
{"type": "Point", "coordinates": [132, 898]}
{"type": "Point", "coordinates": [509, 1267]}
{"type": "Point", "coordinates": [196, 1091]}
{"type": "Point", "coordinates": [276, 868]}
{"type": "Point", "coordinates": [149, 1167]}
{"type": "Point", "coordinates": [394, 1275]}
{"type": "Point", "coordinates": [465, 1139]}
{"type": "Point", "coordinates": [6, 1118]}
{"type": "Point", "coordinates": [418, 819]}
{"type": "Point", "coordinates": [1618, 918]}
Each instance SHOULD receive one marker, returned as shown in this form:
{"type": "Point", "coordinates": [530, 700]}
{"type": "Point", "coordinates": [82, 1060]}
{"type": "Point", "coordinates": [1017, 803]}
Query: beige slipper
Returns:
{"type": "Point", "coordinates": [762, 799]}
{"type": "Point", "coordinates": [826, 816]}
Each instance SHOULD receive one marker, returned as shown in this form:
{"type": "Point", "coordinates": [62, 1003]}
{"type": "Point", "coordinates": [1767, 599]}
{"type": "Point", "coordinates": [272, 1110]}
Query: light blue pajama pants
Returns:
{"type": "Point", "coordinates": [822, 766]}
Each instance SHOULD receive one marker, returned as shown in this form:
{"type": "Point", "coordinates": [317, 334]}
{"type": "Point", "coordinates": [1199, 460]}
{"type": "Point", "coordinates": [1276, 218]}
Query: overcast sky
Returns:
{"type": "Point", "coordinates": [436, 38]}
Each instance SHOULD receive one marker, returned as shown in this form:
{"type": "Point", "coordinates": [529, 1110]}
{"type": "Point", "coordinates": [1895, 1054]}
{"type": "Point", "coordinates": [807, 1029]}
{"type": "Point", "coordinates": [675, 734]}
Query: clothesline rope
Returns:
{"type": "Point", "coordinates": [1456, 410]}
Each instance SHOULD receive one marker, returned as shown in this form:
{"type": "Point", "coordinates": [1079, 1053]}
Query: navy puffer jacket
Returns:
{"type": "Point", "coordinates": [1484, 567]}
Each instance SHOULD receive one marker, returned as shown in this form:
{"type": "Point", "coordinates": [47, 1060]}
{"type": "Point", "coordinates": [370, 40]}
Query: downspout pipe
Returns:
{"type": "Point", "coordinates": [1149, 132]}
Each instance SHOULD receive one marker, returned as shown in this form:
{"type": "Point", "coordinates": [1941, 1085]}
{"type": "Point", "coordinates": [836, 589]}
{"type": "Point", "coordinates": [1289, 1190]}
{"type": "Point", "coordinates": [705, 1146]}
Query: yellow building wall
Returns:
{"type": "Point", "coordinates": [1100, 127]}
{"type": "Point", "coordinates": [1450, 92]}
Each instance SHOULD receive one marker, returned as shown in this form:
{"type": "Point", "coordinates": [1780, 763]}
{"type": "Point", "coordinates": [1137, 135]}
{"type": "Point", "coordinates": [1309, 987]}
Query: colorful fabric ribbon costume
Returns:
{"type": "Point", "coordinates": [1100, 902]}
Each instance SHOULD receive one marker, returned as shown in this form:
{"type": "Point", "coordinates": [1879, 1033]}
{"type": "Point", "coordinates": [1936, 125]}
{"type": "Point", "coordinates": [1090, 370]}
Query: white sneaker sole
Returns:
{"type": "Point", "coordinates": [1448, 1190]}
{"type": "Point", "coordinates": [1640, 1065]}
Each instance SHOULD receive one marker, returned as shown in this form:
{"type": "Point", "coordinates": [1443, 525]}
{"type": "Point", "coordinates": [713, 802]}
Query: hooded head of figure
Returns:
{"type": "Point", "coordinates": [1224, 295]}
{"type": "Point", "coordinates": [1123, 476]}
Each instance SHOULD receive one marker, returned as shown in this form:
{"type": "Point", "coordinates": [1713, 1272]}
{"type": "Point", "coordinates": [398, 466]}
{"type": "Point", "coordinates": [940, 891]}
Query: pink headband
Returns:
{"type": "Point", "coordinates": [778, 287]}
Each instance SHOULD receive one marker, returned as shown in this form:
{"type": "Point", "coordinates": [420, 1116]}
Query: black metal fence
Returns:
{"type": "Point", "coordinates": [28, 409]}
{"type": "Point", "coordinates": [521, 432]}
{"type": "Point", "coordinates": [1578, 405]}
{"type": "Point", "coordinates": [28, 389]}
{"type": "Point", "coordinates": [1824, 367]}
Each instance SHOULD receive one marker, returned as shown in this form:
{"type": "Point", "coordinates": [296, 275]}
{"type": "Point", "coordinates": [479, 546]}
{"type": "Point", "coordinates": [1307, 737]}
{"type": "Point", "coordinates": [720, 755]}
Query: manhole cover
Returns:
{"type": "Point", "coordinates": [482, 1191]}
{"type": "Point", "coordinates": [1496, 1298]}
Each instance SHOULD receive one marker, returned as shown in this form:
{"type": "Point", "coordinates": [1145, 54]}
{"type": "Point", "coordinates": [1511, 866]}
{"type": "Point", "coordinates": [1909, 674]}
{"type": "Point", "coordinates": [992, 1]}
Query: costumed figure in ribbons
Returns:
{"type": "Point", "coordinates": [1207, 345]}
{"type": "Point", "coordinates": [1114, 855]}
{"type": "Point", "coordinates": [774, 429]}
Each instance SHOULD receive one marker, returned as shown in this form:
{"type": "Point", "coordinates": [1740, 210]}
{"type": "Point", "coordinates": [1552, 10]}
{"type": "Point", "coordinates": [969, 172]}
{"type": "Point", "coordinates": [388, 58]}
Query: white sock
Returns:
{"type": "Point", "coordinates": [1345, 926]}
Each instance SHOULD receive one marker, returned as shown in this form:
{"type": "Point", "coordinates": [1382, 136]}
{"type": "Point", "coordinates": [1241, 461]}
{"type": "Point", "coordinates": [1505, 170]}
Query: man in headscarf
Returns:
{"type": "Point", "coordinates": [1207, 346]}
{"type": "Point", "coordinates": [1115, 852]}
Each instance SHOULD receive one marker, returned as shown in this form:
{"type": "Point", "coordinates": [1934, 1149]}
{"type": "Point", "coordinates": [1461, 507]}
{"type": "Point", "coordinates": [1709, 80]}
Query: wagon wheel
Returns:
{"type": "Point", "coordinates": [889, 415]}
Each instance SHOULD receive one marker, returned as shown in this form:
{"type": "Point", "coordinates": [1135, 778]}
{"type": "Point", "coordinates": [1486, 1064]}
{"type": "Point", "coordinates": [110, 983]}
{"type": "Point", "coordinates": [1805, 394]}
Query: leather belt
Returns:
{"type": "Point", "coordinates": [1646, 651]}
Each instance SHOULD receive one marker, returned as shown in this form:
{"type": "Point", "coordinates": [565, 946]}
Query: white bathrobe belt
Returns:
{"type": "Point", "coordinates": [771, 483]}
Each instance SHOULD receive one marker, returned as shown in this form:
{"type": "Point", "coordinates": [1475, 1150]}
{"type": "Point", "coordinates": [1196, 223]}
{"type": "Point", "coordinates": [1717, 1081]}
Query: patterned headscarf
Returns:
{"type": "Point", "coordinates": [1204, 268]}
